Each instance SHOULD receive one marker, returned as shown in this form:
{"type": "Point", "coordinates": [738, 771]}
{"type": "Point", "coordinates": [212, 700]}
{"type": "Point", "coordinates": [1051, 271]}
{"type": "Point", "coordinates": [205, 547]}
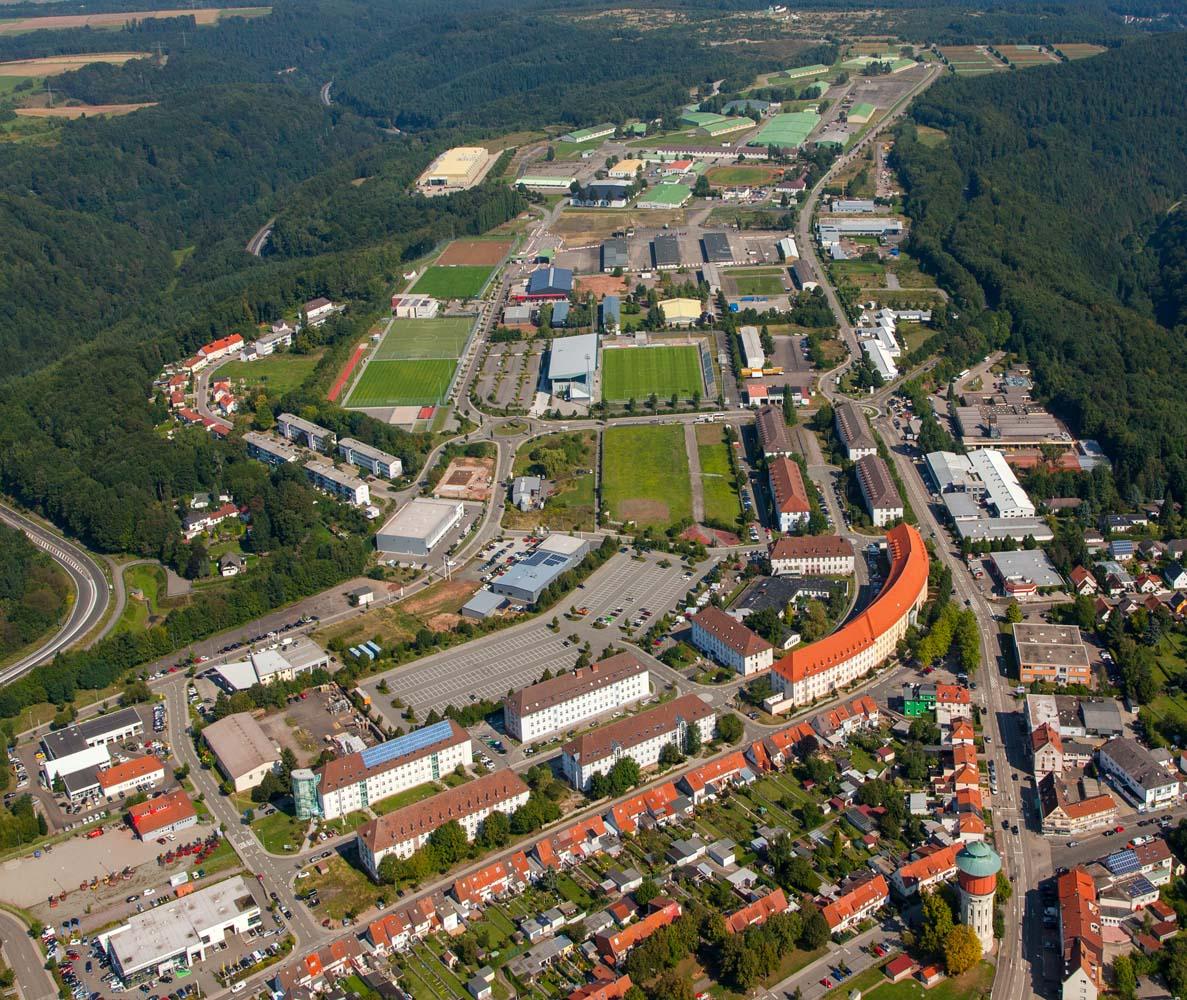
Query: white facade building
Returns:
{"type": "Point", "coordinates": [812, 555]}
{"type": "Point", "coordinates": [641, 737]}
{"type": "Point", "coordinates": [731, 643]}
{"type": "Point", "coordinates": [572, 698]}
{"type": "Point", "coordinates": [351, 783]}
{"type": "Point", "coordinates": [374, 460]}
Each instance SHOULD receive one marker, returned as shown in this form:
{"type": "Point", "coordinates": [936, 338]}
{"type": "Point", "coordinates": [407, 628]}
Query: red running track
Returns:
{"type": "Point", "coordinates": [344, 375]}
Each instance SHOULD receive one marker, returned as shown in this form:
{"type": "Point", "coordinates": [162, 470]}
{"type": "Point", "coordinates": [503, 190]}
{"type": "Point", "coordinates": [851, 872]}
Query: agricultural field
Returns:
{"type": "Point", "coordinates": [717, 481]}
{"type": "Point", "coordinates": [860, 273]}
{"type": "Point", "coordinates": [83, 110]}
{"type": "Point", "coordinates": [971, 60]}
{"type": "Point", "coordinates": [637, 372]}
{"type": "Point", "coordinates": [418, 339]}
{"type": "Point", "coordinates": [1025, 56]}
{"type": "Point", "coordinates": [645, 475]}
{"type": "Point", "coordinates": [117, 19]}
{"type": "Point", "coordinates": [742, 175]}
{"type": "Point", "coordinates": [473, 253]}
{"type": "Point", "coordinates": [1078, 50]}
{"type": "Point", "coordinates": [403, 383]}
{"type": "Point", "coordinates": [565, 460]}
{"type": "Point", "coordinates": [53, 65]}
{"type": "Point", "coordinates": [462, 282]}
{"type": "Point", "coordinates": [279, 373]}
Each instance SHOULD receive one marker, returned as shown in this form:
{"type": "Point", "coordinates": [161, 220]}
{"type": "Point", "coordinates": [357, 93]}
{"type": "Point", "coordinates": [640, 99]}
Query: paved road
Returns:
{"type": "Point", "coordinates": [852, 953]}
{"type": "Point", "coordinates": [255, 246]}
{"type": "Point", "coordinates": [25, 959]}
{"type": "Point", "coordinates": [90, 586]}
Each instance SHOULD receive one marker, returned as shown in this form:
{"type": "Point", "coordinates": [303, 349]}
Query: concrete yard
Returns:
{"type": "Point", "coordinates": [489, 667]}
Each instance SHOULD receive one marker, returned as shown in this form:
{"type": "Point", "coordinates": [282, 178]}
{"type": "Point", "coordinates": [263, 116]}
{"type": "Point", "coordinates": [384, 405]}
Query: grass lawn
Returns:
{"type": "Point", "coordinates": [863, 981]}
{"type": "Point", "coordinates": [343, 889]}
{"type": "Point", "coordinates": [403, 383]}
{"type": "Point", "coordinates": [645, 474]}
{"type": "Point", "coordinates": [635, 373]}
{"type": "Point", "coordinates": [222, 858]}
{"type": "Point", "coordinates": [859, 272]}
{"type": "Point", "coordinates": [280, 373]}
{"type": "Point", "coordinates": [461, 282]}
{"type": "Point", "coordinates": [759, 284]}
{"type": "Point", "coordinates": [741, 175]}
{"type": "Point", "coordinates": [150, 581]}
{"type": "Point", "coordinates": [279, 832]}
{"type": "Point", "coordinates": [929, 136]}
{"type": "Point", "coordinates": [573, 892]}
{"type": "Point", "coordinates": [405, 798]}
{"type": "Point", "coordinates": [717, 482]}
{"type": "Point", "coordinates": [411, 339]}
{"type": "Point", "coordinates": [972, 984]}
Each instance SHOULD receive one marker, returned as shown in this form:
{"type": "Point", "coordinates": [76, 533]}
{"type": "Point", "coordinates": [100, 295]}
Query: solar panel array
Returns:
{"type": "Point", "coordinates": [1122, 862]}
{"type": "Point", "coordinates": [401, 746]}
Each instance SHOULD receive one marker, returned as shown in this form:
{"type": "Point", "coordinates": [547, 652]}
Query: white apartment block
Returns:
{"type": "Point", "coordinates": [641, 737]}
{"type": "Point", "coordinates": [731, 643]}
{"type": "Point", "coordinates": [406, 830]}
{"type": "Point", "coordinates": [375, 461]}
{"type": "Point", "coordinates": [572, 698]}
{"type": "Point", "coordinates": [338, 483]}
{"type": "Point", "coordinates": [812, 555]}
{"type": "Point", "coordinates": [354, 782]}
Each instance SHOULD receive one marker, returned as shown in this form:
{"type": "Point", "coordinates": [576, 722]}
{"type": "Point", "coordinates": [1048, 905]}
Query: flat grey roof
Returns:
{"type": "Point", "coordinates": [1027, 564]}
{"type": "Point", "coordinates": [75, 738]}
{"type": "Point", "coordinates": [420, 518]}
{"type": "Point", "coordinates": [567, 356]}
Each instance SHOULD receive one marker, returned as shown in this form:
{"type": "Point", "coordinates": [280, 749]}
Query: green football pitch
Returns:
{"type": "Point", "coordinates": [759, 284]}
{"type": "Point", "coordinates": [637, 372]}
{"type": "Point", "coordinates": [425, 338]}
{"type": "Point", "coordinates": [461, 282]}
{"type": "Point", "coordinates": [403, 383]}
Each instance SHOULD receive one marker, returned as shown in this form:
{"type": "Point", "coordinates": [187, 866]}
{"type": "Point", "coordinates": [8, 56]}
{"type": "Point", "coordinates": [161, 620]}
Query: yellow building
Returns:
{"type": "Point", "coordinates": [627, 169]}
{"type": "Point", "coordinates": [681, 312]}
{"type": "Point", "coordinates": [456, 169]}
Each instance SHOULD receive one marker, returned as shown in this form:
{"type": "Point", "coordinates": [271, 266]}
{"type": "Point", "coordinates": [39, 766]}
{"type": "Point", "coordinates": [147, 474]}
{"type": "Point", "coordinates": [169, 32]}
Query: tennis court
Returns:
{"type": "Point", "coordinates": [411, 339]}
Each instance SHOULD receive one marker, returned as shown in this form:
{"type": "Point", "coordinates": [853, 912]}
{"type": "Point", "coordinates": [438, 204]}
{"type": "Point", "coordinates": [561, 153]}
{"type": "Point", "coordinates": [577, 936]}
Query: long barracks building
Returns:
{"type": "Point", "coordinates": [355, 781]}
{"type": "Point", "coordinates": [570, 698]}
{"type": "Point", "coordinates": [814, 671]}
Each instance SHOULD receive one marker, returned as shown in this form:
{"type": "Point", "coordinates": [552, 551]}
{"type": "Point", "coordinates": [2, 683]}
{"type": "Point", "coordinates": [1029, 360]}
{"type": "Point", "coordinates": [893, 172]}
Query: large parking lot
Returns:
{"type": "Point", "coordinates": [489, 667]}
{"type": "Point", "coordinates": [509, 375]}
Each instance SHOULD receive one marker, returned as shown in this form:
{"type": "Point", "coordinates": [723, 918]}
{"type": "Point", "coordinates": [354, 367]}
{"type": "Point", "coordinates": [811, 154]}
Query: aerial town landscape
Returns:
{"type": "Point", "coordinates": [533, 501]}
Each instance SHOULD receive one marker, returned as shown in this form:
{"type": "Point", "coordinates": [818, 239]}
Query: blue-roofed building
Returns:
{"type": "Point", "coordinates": [527, 579]}
{"type": "Point", "coordinates": [351, 783]}
{"type": "Point", "coordinates": [572, 364]}
{"type": "Point", "coordinates": [549, 283]}
{"type": "Point", "coordinates": [611, 314]}
{"type": "Point", "coordinates": [560, 313]}
{"type": "Point", "coordinates": [1121, 548]}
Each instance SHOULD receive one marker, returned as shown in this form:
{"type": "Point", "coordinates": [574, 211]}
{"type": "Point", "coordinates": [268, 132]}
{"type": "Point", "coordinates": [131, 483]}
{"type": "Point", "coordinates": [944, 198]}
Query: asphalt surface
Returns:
{"type": "Point", "coordinates": [25, 959]}
{"type": "Point", "coordinates": [90, 587]}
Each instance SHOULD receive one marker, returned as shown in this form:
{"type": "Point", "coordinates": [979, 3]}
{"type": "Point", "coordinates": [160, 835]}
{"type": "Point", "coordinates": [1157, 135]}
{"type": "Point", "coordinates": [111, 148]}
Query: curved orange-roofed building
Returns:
{"type": "Point", "coordinates": [817, 670]}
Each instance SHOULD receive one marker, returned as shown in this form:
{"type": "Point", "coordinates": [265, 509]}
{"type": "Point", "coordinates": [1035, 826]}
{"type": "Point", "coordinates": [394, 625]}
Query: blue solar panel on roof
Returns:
{"type": "Point", "coordinates": [1122, 862]}
{"type": "Point", "coordinates": [401, 746]}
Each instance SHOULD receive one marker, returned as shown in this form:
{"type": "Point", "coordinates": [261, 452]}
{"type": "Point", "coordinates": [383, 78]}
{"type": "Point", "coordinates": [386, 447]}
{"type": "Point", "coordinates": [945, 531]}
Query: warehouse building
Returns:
{"type": "Point", "coordinates": [242, 750]}
{"type": "Point", "coordinates": [730, 643]}
{"type": "Point", "coordinates": [269, 449]}
{"type": "Point", "coordinates": [570, 699]}
{"type": "Point", "coordinates": [877, 486]}
{"type": "Point", "coordinates": [665, 252]}
{"type": "Point", "coordinates": [531, 576]}
{"type": "Point", "coordinates": [265, 666]}
{"type": "Point", "coordinates": [853, 431]}
{"type": "Point", "coordinates": [455, 170]}
{"type": "Point", "coordinates": [802, 555]}
{"type": "Point", "coordinates": [881, 359]}
{"type": "Point", "coordinates": [615, 254]}
{"type": "Point", "coordinates": [406, 830]}
{"type": "Point", "coordinates": [374, 460]}
{"type": "Point", "coordinates": [547, 182]}
{"type": "Point", "coordinates": [801, 273]}
{"type": "Point", "coordinates": [681, 312]}
{"type": "Point", "coordinates": [641, 737]}
{"type": "Point", "coordinates": [1054, 653]}
{"type": "Point", "coordinates": [833, 229]}
{"type": "Point", "coordinates": [417, 527]}
{"type": "Point", "coordinates": [178, 933]}
{"type": "Point", "coordinates": [667, 195]}
{"type": "Point", "coordinates": [338, 483]}
{"type": "Point", "coordinates": [572, 364]}
{"type": "Point", "coordinates": [717, 248]}
{"type": "Point", "coordinates": [773, 435]}
{"type": "Point", "coordinates": [588, 134]}
{"type": "Point", "coordinates": [788, 249]}
{"type": "Point", "coordinates": [357, 780]}
{"type": "Point", "coordinates": [752, 353]}
{"type": "Point", "coordinates": [305, 432]}
{"type": "Point", "coordinates": [788, 494]}
{"type": "Point", "coordinates": [603, 194]}
{"type": "Point", "coordinates": [548, 283]}
{"type": "Point", "coordinates": [1024, 572]}
{"type": "Point", "coordinates": [985, 476]}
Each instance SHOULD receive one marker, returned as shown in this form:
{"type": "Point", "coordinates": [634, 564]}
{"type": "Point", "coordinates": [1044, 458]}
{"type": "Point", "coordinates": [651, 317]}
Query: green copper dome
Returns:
{"type": "Point", "coordinates": [978, 859]}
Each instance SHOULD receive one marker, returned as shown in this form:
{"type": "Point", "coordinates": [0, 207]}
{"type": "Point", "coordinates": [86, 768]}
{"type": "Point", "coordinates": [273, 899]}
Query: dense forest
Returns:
{"type": "Point", "coordinates": [33, 591]}
{"type": "Point", "coordinates": [1042, 212]}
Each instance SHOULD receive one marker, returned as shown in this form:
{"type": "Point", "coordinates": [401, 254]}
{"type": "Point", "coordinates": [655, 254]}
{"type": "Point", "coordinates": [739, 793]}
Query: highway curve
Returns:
{"type": "Point", "coordinates": [90, 588]}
